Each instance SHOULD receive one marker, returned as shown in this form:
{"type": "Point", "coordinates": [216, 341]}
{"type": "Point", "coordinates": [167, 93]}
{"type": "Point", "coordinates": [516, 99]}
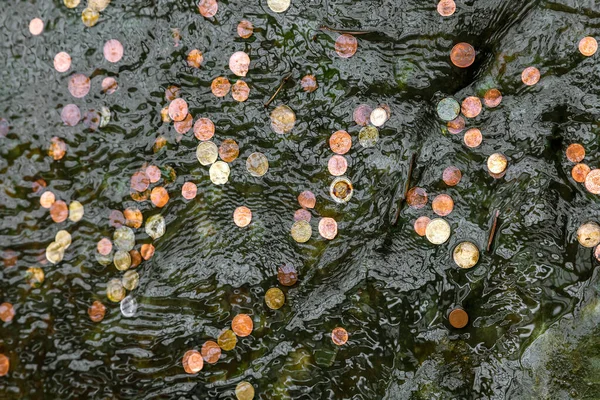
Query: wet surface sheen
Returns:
{"type": "Point", "coordinates": [390, 288]}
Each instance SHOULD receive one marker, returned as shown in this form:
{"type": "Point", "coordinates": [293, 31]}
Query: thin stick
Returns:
{"type": "Point", "coordinates": [326, 28]}
{"type": "Point", "coordinates": [283, 81]}
{"type": "Point", "coordinates": [403, 198]}
{"type": "Point", "coordinates": [493, 230]}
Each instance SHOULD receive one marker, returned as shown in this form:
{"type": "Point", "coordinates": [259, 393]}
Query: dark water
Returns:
{"type": "Point", "coordinates": [532, 301]}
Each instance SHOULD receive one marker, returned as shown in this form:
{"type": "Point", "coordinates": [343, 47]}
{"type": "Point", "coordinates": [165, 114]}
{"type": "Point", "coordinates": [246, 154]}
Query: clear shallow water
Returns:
{"type": "Point", "coordinates": [388, 287]}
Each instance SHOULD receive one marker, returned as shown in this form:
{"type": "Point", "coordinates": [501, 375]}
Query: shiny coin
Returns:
{"type": "Point", "coordinates": [588, 234]}
{"type": "Point", "coordinates": [301, 231]}
{"type": "Point", "coordinates": [219, 172]}
{"type": "Point", "coordinates": [257, 164]}
{"type": "Point", "coordinates": [207, 153]}
{"type": "Point", "coordinates": [274, 298]}
{"type": "Point", "coordinates": [437, 231]}
{"type": "Point", "coordinates": [466, 255]}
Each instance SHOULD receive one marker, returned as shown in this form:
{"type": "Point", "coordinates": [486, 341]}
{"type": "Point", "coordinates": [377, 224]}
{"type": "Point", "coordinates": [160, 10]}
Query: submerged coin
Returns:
{"type": "Point", "coordinates": [274, 298]}
{"type": "Point", "coordinates": [456, 126]}
{"type": "Point", "coordinates": [113, 51]}
{"type": "Point", "coordinates": [242, 325]}
{"type": "Point", "coordinates": [219, 173]}
{"type": "Point", "coordinates": [473, 138]}
{"type": "Point", "coordinates": [124, 238]}
{"type": "Point", "coordinates": [63, 238]}
{"type": "Point", "coordinates": [59, 211]}
{"type": "Point", "coordinates": [245, 29]}
{"type": "Point", "coordinates": [242, 216]}
{"type": "Point", "coordinates": [437, 231]}
{"type": "Point", "coordinates": [448, 109]}
{"type": "Point", "coordinates": [62, 62]}
{"type": "Point", "coordinates": [588, 234]}
{"type": "Point", "coordinates": [89, 17]}
{"type": "Point", "coordinates": [368, 136]}
{"type": "Point", "coordinates": [207, 153]}
{"type": "Point", "coordinates": [204, 129]}
{"type": "Point", "coordinates": [451, 176]}
{"type": "Point", "coordinates": [75, 211]}
{"type": "Point", "coordinates": [240, 91]}
{"type": "Point", "coordinates": [462, 55]}
{"type": "Point", "coordinates": [301, 231]}
{"type": "Point", "coordinates": [115, 290]}
{"type": "Point", "coordinates": [302, 215]}
{"type": "Point", "coordinates": [346, 45]}
{"type": "Point", "coordinates": [239, 63]}
{"type": "Point", "coordinates": [458, 318]}
{"type": "Point", "coordinates": [446, 8]}
{"type": "Point", "coordinates": [337, 165]}
{"type": "Point", "coordinates": [104, 246]}
{"type": "Point", "coordinates": [184, 126]}
{"type": "Point", "coordinates": [133, 217]}
{"type": "Point", "coordinates": [309, 83]}
{"type": "Point", "coordinates": [328, 228]}
{"type": "Point", "coordinates": [58, 148]}
{"type": "Point", "coordinates": [287, 275]}
{"type": "Point", "coordinates": [442, 205]}
{"type": "Point", "coordinates": [530, 76]}
{"type": "Point", "coordinates": [416, 197]}
{"type": "Point", "coordinates": [47, 199]}
{"type": "Point", "coordinates": [362, 114]}
{"type": "Point", "coordinates": [580, 172]}
{"type": "Point", "coordinates": [155, 226]}
{"type": "Point", "coordinates": [189, 190]}
{"type": "Point", "coordinates": [7, 312]}
{"type": "Point", "coordinates": [208, 8]}
{"type": "Point", "coordinates": [129, 306]}
{"type": "Point", "coordinates": [97, 311]}
{"type": "Point", "coordinates": [211, 352]}
{"type": "Point", "coordinates": [257, 164]}
{"type": "Point", "coordinates": [35, 276]}
{"type": "Point", "coordinates": [575, 152]}
{"type": "Point", "coordinates": [195, 58]}
{"type": "Point", "coordinates": [492, 98]}
{"type": "Point", "coordinates": [71, 3]}
{"type": "Point", "coordinates": [307, 199]}
{"type": "Point", "coordinates": [341, 190]}
{"type": "Point", "coordinates": [70, 115]}
{"type": "Point", "coordinates": [192, 362]}
{"type": "Point", "coordinates": [379, 116]}
{"type": "Point", "coordinates": [339, 336]}
{"type": "Point", "coordinates": [4, 365]}
{"type": "Point", "coordinates": [592, 181]}
{"type": "Point", "coordinates": [283, 119]}
{"type": "Point", "coordinates": [420, 225]}
{"type": "Point", "coordinates": [497, 163]}
{"type": "Point", "coordinates": [471, 107]}
{"type": "Point", "coordinates": [229, 150]}
{"type": "Point", "coordinates": [122, 260]}
{"type": "Point", "coordinates": [36, 26]}
{"type": "Point", "coordinates": [79, 85]}
{"type": "Point", "coordinates": [227, 340]}
{"type": "Point", "coordinates": [178, 109]}
{"type": "Point", "coordinates": [220, 86]}
{"type": "Point", "coordinates": [147, 251]}
{"type": "Point", "coordinates": [278, 6]}
{"type": "Point", "coordinates": [466, 255]}
{"type": "Point", "coordinates": [340, 142]}
{"type": "Point", "coordinates": [588, 46]}
{"type": "Point", "coordinates": [130, 280]}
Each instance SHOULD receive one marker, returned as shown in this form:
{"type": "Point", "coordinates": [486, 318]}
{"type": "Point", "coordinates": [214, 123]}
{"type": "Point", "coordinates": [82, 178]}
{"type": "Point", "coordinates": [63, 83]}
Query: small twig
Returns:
{"type": "Point", "coordinates": [326, 28]}
{"type": "Point", "coordinates": [493, 230]}
{"type": "Point", "coordinates": [403, 198]}
{"type": "Point", "coordinates": [283, 81]}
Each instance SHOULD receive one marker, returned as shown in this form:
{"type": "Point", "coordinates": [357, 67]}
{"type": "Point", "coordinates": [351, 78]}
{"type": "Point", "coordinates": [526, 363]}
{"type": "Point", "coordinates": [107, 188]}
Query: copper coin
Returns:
{"type": "Point", "coordinates": [172, 92]}
{"type": "Point", "coordinates": [192, 361]}
{"type": "Point", "coordinates": [530, 76]}
{"type": "Point", "coordinates": [178, 109]}
{"type": "Point", "coordinates": [97, 311]}
{"type": "Point", "coordinates": [116, 219]}
{"type": "Point", "coordinates": [229, 150]}
{"type": "Point", "coordinates": [458, 318]}
{"type": "Point", "coordinates": [239, 63]}
{"type": "Point", "coordinates": [580, 172]}
{"type": "Point", "coordinates": [47, 199]}
{"type": "Point", "coordinates": [139, 181]}
{"type": "Point", "coordinates": [109, 85]}
{"type": "Point", "coordinates": [575, 152]}
{"type": "Point", "coordinates": [245, 29]}
{"type": "Point", "coordinates": [597, 253]}
{"type": "Point", "coordinates": [208, 8]}
{"type": "Point", "coordinates": [287, 275]}
{"type": "Point", "coordinates": [133, 217]}
{"type": "Point", "coordinates": [189, 190]}
{"type": "Point", "coordinates": [242, 325]}
{"type": "Point", "coordinates": [147, 251]}
{"type": "Point", "coordinates": [309, 83]}
{"type": "Point", "coordinates": [588, 46]}
{"type": "Point", "coordinates": [471, 107]}
{"type": "Point", "coordinates": [328, 228]}
{"type": "Point", "coordinates": [442, 205]}
{"type": "Point", "coordinates": [452, 176]}
{"type": "Point", "coordinates": [220, 86]}
{"type": "Point", "coordinates": [302, 215]}
{"type": "Point", "coordinates": [113, 51]}
{"type": "Point", "coordinates": [240, 91]}
{"type": "Point", "coordinates": [38, 186]}
{"type": "Point", "coordinates": [362, 114]}
{"type": "Point", "coordinates": [211, 352]}
{"type": "Point", "coordinates": [339, 336]}
{"type": "Point", "coordinates": [159, 196]}
{"type": "Point", "coordinates": [184, 126]}
{"type": "Point", "coordinates": [36, 26]}
{"type": "Point", "coordinates": [242, 216]}
{"type": "Point", "coordinates": [4, 365]}
{"type": "Point", "coordinates": [307, 199]}
{"type": "Point", "coordinates": [62, 62]}
{"type": "Point", "coordinates": [456, 126]}
{"type": "Point", "coordinates": [592, 181]}
{"type": "Point", "coordinates": [462, 55]}
{"type": "Point", "coordinates": [7, 312]}
{"type": "Point", "coordinates": [204, 129]}
{"type": "Point", "coordinates": [340, 142]}
{"type": "Point", "coordinates": [473, 137]}
{"type": "Point", "coordinates": [104, 246]}
{"type": "Point", "coordinates": [136, 258]}
{"type": "Point", "coordinates": [416, 197]}
{"type": "Point", "coordinates": [79, 85]}
{"type": "Point", "coordinates": [195, 58]}
{"type": "Point", "coordinates": [420, 225]}
{"type": "Point", "coordinates": [492, 98]}
{"type": "Point", "coordinates": [337, 165]}
{"type": "Point", "coordinates": [346, 45]}
{"type": "Point", "coordinates": [446, 8]}
{"type": "Point", "coordinates": [153, 173]}
{"type": "Point", "coordinates": [57, 149]}
{"type": "Point", "coordinates": [59, 211]}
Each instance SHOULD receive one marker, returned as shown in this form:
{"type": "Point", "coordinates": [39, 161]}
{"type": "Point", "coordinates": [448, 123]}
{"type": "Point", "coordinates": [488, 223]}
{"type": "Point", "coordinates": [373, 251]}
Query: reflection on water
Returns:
{"type": "Point", "coordinates": [151, 202]}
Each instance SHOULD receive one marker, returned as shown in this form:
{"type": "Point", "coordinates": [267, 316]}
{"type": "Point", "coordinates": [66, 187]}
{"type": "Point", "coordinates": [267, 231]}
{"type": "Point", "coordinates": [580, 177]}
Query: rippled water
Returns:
{"type": "Point", "coordinates": [532, 300]}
